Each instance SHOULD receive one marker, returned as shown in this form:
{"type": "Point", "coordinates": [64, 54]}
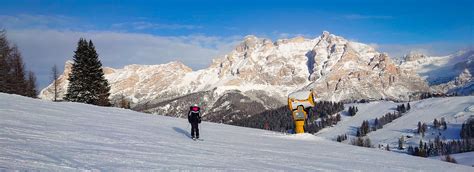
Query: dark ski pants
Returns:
{"type": "Point", "coordinates": [194, 130]}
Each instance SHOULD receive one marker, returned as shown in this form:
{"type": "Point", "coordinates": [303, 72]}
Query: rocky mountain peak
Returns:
{"type": "Point", "coordinates": [414, 55]}
{"type": "Point", "coordinates": [464, 77]}
{"type": "Point", "coordinates": [250, 42]}
{"type": "Point", "coordinates": [325, 34]}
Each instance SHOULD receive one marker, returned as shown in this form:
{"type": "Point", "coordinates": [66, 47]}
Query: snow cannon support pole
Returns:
{"type": "Point", "coordinates": [299, 116]}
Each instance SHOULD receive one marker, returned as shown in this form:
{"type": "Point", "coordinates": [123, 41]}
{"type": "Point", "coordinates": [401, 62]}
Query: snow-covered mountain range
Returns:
{"type": "Point", "coordinates": [259, 74]}
{"type": "Point", "coordinates": [446, 74]}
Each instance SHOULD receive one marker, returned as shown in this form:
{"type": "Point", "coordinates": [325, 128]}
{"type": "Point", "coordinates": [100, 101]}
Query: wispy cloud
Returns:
{"type": "Point", "coordinates": [42, 48]}
{"type": "Point", "coordinates": [48, 40]}
{"type": "Point", "coordinates": [286, 35]}
{"type": "Point", "coordinates": [143, 25]}
{"type": "Point", "coordinates": [430, 48]}
{"type": "Point", "coordinates": [27, 21]}
{"type": "Point", "coordinates": [35, 21]}
{"type": "Point", "coordinates": [364, 17]}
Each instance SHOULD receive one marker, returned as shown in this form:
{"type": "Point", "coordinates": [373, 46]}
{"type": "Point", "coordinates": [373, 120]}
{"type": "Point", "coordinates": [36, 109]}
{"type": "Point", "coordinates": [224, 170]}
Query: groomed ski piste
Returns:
{"type": "Point", "coordinates": [63, 136]}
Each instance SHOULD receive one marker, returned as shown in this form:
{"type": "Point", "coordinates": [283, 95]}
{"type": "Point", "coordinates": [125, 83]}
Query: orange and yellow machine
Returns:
{"type": "Point", "coordinates": [298, 102]}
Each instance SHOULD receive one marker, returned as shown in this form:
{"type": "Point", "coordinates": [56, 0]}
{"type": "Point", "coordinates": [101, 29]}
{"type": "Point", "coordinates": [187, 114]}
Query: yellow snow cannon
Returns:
{"type": "Point", "coordinates": [298, 102]}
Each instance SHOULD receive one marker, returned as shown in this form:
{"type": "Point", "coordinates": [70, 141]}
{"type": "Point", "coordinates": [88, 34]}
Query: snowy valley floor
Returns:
{"type": "Point", "coordinates": [47, 136]}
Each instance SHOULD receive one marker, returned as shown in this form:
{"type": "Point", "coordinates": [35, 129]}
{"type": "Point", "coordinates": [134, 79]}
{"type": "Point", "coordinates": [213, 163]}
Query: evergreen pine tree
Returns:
{"type": "Point", "coordinates": [424, 128]}
{"type": "Point", "coordinates": [402, 108]}
{"type": "Point", "coordinates": [55, 76]}
{"type": "Point", "coordinates": [419, 127]}
{"type": "Point", "coordinates": [400, 143]}
{"type": "Point", "coordinates": [420, 145]}
{"type": "Point", "coordinates": [13, 77]}
{"type": "Point", "coordinates": [17, 74]}
{"type": "Point", "coordinates": [87, 83]}
{"type": "Point", "coordinates": [4, 67]}
{"type": "Point", "coordinates": [367, 142]}
{"type": "Point", "coordinates": [31, 90]}
{"type": "Point", "coordinates": [443, 123]}
{"type": "Point", "coordinates": [376, 123]}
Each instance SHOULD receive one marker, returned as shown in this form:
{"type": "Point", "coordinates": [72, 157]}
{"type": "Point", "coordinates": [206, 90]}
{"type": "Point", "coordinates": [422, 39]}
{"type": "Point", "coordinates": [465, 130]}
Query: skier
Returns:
{"type": "Point", "coordinates": [194, 117]}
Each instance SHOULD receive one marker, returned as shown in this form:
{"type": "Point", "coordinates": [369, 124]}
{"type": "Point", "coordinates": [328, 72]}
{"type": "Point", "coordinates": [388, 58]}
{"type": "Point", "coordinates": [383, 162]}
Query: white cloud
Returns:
{"type": "Point", "coordinates": [42, 49]}
{"type": "Point", "coordinates": [34, 21]}
{"type": "Point", "coordinates": [431, 49]}
{"type": "Point", "coordinates": [286, 35]}
{"type": "Point", "coordinates": [143, 25]}
{"type": "Point", "coordinates": [374, 45]}
{"type": "Point", "coordinates": [363, 17]}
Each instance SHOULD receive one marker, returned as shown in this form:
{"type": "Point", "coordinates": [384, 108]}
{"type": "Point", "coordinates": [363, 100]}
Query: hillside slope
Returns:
{"type": "Point", "coordinates": [455, 110]}
{"type": "Point", "coordinates": [47, 136]}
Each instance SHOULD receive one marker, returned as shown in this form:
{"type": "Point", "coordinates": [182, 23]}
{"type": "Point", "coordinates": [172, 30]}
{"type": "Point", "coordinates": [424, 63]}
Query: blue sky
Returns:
{"type": "Point", "coordinates": [161, 31]}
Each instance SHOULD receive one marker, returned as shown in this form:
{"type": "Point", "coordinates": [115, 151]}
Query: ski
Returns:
{"type": "Point", "coordinates": [196, 139]}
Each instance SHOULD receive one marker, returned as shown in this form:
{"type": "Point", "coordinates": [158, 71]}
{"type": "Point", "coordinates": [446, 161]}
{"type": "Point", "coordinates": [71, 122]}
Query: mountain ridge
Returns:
{"type": "Point", "coordinates": [261, 71]}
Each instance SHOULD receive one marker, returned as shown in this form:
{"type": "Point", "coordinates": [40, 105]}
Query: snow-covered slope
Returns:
{"type": "Point", "coordinates": [349, 124]}
{"type": "Point", "coordinates": [46, 136]}
{"type": "Point", "coordinates": [455, 110]}
{"type": "Point", "coordinates": [465, 158]}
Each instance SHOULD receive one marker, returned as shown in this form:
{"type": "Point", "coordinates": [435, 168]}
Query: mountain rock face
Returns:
{"type": "Point", "coordinates": [461, 85]}
{"type": "Point", "coordinates": [258, 75]}
{"type": "Point", "coordinates": [349, 70]}
{"type": "Point", "coordinates": [450, 74]}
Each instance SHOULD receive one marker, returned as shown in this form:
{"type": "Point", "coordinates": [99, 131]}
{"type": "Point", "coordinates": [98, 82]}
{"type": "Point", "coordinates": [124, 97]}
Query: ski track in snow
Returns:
{"type": "Point", "coordinates": [62, 136]}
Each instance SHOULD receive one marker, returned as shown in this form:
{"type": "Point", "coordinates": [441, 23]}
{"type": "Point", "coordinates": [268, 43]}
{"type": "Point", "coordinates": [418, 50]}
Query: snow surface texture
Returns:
{"type": "Point", "coordinates": [47, 136]}
{"type": "Point", "coordinates": [461, 158]}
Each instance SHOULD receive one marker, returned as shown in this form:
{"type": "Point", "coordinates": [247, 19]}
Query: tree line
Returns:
{"type": "Point", "coordinates": [362, 131]}
{"type": "Point", "coordinates": [467, 129]}
{"type": "Point", "coordinates": [439, 147]}
{"type": "Point", "coordinates": [366, 127]}
{"type": "Point", "coordinates": [280, 119]}
{"type": "Point", "coordinates": [352, 110]}
{"type": "Point", "coordinates": [86, 81]}
{"type": "Point", "coordinates": [14, 78]}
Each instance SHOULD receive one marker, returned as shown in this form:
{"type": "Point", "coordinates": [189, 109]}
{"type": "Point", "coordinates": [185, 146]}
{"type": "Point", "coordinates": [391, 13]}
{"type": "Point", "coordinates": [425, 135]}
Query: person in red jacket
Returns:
{"type": "Point", "coordinates": [194, 117]}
